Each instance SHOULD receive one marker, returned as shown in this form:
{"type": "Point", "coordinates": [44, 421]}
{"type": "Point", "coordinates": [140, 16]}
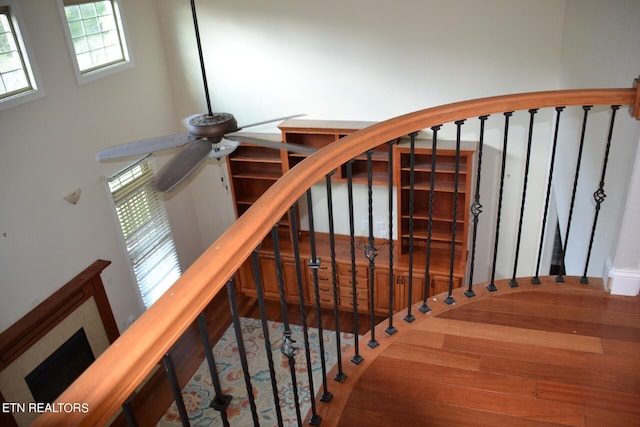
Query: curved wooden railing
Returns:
{"type": "Point", "coordinates": [116, 374]}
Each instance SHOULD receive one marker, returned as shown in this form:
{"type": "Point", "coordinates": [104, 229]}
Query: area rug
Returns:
{"type": "Point", "coordinates": [198, 393]}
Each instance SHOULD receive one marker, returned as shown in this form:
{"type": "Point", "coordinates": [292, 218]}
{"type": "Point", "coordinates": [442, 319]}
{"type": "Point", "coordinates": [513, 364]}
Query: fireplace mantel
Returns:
{"type": "Point", "coordinates": [35, 325]}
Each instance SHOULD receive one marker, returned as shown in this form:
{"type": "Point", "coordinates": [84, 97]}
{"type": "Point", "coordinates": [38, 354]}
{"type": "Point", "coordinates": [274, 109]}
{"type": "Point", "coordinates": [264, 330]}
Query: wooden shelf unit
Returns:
{"type": "Point", "coordinates": [443, 195]}
{"type": "Point", "coordinates": [253, 169]}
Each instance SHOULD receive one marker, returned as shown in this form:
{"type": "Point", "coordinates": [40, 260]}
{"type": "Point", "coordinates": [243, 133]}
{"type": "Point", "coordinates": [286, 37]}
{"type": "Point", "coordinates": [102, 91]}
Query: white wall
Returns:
{"type": "Point", "coordinates": [371, 60]}
{"type": "Point", "coordinates": [47, 149]}
{"type": "Point", "coordinates": [600, 49]}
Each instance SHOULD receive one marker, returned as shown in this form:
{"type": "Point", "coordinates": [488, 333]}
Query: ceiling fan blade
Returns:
{"type": "Point", "coordinates": [293, 148]}
{"type": "Point", "coordinates": [143, 146]}
{"type": "Point", "coordinates": [269, 121]}
{"type": "Point", "coordinates": [182, 164]}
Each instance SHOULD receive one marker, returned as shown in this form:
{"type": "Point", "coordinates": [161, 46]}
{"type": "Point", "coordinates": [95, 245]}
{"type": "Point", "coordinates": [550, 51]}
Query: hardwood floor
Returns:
{"type": "Point", "coordinates": [547, 355]}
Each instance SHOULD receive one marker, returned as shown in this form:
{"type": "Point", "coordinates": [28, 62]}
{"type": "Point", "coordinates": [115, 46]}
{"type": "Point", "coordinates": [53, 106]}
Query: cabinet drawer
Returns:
{"type": "Point", "coordinates": [363, 304]}
{"type": "Point", "coordinates": [361, 282]}
{"type": "Point", "coordinates": [345, 270]}
{"type": "Point", "coordinates": [346, 292]}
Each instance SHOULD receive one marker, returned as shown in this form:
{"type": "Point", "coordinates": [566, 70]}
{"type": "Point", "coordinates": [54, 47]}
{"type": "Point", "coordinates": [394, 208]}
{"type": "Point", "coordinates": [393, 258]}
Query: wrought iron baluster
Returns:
{"type": "Point", "coordinates": [454, 221]}
{"type": "Point", "coordinates": [390, 329]}
{"type": "Point", "coordinates": [265, 331]}
{"type": "Point", "coordinates": [220, 401]}
{"type": "Point", "coordinates": [432, 188]}
{"type": "Point", "coordinates": [242, 352]}
{"type": "Point", "coordinates": [170, 368]}
{"type": "Point", "coordinates": [287, 348]}
{"type": "Point", "coordinates": [599, 195]}
{"type": "Point", "coordinates": [314, 264]}
{"type": "Point", "coordinates": [315, 418]}
{"type": "Point", "coordinates": [536, 279]}
{"type": "Point", "coordinates": [340, 376]}
{"type": "Point", "coordinates": [513, 282]}
{"type": "Point", "coordinates": [492, 286]}
{"type": "Point", "coordinates": [370, 252]}
{"type": "Point", "coordinates": [357, 358]}
{"type": "Point", "coordinates": [129, 413]}
{"type": "Point", "coordinates": [412, 182]}
{"type": "Point", "coordinates": [476, 209]}
{"type": "Point", "coordinates": [563, 245]}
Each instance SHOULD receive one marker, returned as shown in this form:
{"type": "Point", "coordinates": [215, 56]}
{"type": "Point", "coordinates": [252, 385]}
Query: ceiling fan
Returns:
{"type": "Point", "coordinates": [209, 135]}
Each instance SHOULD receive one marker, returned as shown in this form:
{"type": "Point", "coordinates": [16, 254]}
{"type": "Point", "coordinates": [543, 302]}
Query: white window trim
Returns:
{"type": "Point", "coordinates": [83, 78]}
{"type": "Point", "coordinates": [27, 52]}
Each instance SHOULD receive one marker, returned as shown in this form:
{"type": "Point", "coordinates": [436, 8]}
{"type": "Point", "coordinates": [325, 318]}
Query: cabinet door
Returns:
{"type": "Point", "coordinates": [400, 290]}
{"type": "Point", "coordinates": [270, 278]}
{"type": "Point", "coordinates": [401, 294]}
{"type": "Point", "coordinates": [246, 279]}
{"type": "Point", "coordinates": [290, 276]}
{"type": "Point", "coordinates": [439, 284]}
{"type": "Point", "coordinates": [381, 302]}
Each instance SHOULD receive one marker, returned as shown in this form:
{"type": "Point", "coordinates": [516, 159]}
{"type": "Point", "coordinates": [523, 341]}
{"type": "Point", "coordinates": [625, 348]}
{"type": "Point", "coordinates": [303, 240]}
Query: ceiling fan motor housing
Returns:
{"type": "Point", "coordinates": [212, 126]}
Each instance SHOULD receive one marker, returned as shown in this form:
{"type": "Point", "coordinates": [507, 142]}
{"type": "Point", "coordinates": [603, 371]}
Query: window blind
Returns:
{"type": "Point", "coordinates": [146, 230]}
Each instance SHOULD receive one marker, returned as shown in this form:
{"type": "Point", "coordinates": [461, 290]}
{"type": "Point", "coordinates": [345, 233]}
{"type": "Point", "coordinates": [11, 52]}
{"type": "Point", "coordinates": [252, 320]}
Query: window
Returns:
{"type": "Point", "coordinates": [18, 76]}
{"type": "Point", "coordinates": [146, 231]}
{"type": "Point", "coordinates": [96, 37]}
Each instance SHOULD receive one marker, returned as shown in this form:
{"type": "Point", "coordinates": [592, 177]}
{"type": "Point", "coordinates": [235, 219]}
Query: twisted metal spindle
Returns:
{"type": "Point", "coordinates": [172, 376]}
{"type": "Point", "coordinates": [454, 221]}
{"type": "Point", "coordinates": [424, 308]}
{"type": "Point", "coordinates": [370, 253]}
{"type": "Point", "coordinates": [340, 376]}
{"type": "Point", "coordinates": [412, 180]}
{"type": "Point", "coordinates": [563, 245]}
{"type": "Point", "coordinates": [536, 279]}
{"type": "Point", "coordinates": [513, 282]}
{"type": "Point", "coordinates": [314, 264]}
{"type": "Point", "coordinates": [357, 358]}
{"type": "Point", "coordinates": [220, 401]}
{"type": "Point", "coordinates": [242, 352]}
{"type": "Point", "coordinates": [492, 286]}
{"type": "Point", "coordinates": [265, 332]}
{"type": "Point", "coordinates": [599, 195]}
{"type": "Point", "coordinates": [315, 418]}
{"type": "Point", "coordinates": [390, 330]}
{"type": "Point", "coordinates": [476, 209]}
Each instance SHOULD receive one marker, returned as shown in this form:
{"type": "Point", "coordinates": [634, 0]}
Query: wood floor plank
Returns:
{"type": "Point", "coordinates": [555, 311]}
{"type": "Point", "coordinates": [513, 334]}
{"type": "Point", "coordinates": [590, 396]}
{"type": "Point", "coordinates": [407, 370]}
{"type": "Point", "coordinates": [429, 355]}
{"type": "Point", "coordinates": [541, 321]}
{"type": "Point", "coordinates": [580, 375]}
{"type": "Point", "coordinates": [397, 410]}
{"type": "Point", "coordinates": [412, 386]}
{"type": "Point", "coordinates": [615, 361]}
{"type": "Point", "coordinates": [422, 338]}
{"type": "Point", "coordinates": [599, 417]}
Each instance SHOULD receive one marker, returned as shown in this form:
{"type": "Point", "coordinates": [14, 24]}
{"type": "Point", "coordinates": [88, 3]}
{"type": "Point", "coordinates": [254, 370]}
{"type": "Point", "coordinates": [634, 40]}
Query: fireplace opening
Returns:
{"type": "Point", "coordinates": [49, 379]}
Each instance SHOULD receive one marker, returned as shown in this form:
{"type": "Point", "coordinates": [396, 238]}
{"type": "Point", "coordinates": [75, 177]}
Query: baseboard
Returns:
{"type": "Point", "coordinates": [623, 281]}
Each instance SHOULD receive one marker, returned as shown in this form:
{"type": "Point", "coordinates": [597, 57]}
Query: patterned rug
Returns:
{"type": "Point", "coordinates": [198, 393]}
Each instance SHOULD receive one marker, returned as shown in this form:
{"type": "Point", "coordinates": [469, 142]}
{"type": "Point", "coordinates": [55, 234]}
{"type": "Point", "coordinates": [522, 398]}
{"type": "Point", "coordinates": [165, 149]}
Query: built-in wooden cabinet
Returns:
{"type": "Point", "coordinates": [254, 169]}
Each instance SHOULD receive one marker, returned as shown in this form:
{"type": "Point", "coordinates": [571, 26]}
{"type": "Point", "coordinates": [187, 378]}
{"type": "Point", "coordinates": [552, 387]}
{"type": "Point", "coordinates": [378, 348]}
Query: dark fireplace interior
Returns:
{"type": "Point", "coordinates": [61, 368]}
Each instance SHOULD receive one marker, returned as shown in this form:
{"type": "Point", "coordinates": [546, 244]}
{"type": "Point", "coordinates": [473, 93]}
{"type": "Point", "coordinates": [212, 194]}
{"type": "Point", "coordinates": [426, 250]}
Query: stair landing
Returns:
{"type": "Point", "coordinates": [548, 355]}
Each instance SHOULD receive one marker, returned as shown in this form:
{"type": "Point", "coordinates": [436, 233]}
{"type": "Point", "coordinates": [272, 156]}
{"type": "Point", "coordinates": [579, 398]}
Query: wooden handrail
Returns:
{"type": "Point", "coordinates": [124, 365]}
